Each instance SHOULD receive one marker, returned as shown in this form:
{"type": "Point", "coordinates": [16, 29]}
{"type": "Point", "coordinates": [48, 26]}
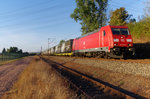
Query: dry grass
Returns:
{"type": "Point", "coordinates": [39, 81]}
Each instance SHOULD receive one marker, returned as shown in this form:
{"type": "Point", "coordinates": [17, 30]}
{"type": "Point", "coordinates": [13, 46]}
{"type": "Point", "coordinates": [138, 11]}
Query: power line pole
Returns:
{"type": "Point", "coordinates": [48, 46]}
{"type": "Point", "coordinates": [41, 50]}
{"type": "Point", "coordinates": [50, 41]}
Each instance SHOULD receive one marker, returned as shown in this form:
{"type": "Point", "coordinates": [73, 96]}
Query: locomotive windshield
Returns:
{"type": "Point", "coordinates": [120, 31]}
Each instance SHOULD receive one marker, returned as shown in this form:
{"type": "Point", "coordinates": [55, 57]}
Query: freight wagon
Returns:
{"type": "Point", "coordinates": [66, 48]}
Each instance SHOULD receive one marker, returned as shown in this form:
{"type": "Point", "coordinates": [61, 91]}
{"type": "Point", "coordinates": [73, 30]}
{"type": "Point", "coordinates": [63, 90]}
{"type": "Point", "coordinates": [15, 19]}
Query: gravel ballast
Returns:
{"type": "Point", "coordinates": [133, 68]}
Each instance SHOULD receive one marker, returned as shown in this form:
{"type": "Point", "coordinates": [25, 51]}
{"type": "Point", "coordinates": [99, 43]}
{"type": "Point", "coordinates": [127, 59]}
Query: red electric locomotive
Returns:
{"type": "Point", "coordinates": [109, 41]}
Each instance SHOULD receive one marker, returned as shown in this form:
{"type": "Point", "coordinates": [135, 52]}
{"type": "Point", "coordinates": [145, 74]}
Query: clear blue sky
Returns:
{"type": "Point", "coordinates": [27, 24]}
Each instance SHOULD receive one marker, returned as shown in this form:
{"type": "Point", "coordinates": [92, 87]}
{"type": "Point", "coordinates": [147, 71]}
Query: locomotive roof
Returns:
{"type": "Point", "coordinates": [89, 33]}
{"type": "Point", "coordinates": [118, 26]}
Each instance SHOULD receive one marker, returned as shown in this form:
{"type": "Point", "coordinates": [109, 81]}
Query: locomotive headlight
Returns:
{"type": "Point", "coordinates": [116, 40]}
{"type": "Point", "coordinates": [116, 49]}
{"type": "Point", "coordinates": [129, 44]}
{"type": "Point", "coordinates": [129, 40]}
{"type": "Point", "coordinates": [115, 44]}
{"type": "Point", "coordinates": [131, 49]}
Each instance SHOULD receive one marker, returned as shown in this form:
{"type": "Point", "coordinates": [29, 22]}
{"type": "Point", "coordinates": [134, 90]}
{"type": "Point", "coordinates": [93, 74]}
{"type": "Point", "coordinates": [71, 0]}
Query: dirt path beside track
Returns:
{"type": "Point", "coordinates": [10, 72]}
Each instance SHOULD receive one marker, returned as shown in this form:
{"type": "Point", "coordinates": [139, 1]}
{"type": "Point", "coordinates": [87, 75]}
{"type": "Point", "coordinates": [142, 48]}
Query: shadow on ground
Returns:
{"type": "Point", "coordinates": [142, 50]}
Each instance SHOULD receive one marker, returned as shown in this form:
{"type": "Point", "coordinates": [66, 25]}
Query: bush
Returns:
{"type": "Point", "coordinates": [140, 31]}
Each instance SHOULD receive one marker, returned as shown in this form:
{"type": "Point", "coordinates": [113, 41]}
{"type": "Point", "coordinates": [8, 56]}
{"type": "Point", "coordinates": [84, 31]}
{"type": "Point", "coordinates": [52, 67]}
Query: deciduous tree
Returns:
{"type": "Point", "coordinates": [119, 17]}
{"type": "Point", "coordinates": [4, 51]}
{"type": "Point", "coordinates": [13, 50]}
{"type": "Point", "coordinates": [90, 13]}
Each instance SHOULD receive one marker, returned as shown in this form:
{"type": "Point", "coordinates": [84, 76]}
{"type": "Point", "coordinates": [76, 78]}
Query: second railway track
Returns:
{"type": "Point", "coordinates": [91, 87]}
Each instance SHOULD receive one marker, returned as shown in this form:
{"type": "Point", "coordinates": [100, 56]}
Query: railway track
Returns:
{"type": "Point", "coordinates": [144, 61]}
{"type": "Point", "coordinates": [91, 87]}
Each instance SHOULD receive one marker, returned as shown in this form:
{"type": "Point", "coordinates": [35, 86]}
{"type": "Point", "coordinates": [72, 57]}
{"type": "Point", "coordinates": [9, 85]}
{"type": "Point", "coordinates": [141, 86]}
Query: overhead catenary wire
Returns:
{"type": "Point", "coordinates": [128, 9]}
{"type": "Point", "coordinates": [43, 19]}
{"type": "Point", "coordinates": [37, 18]}
{"type": "Point", "coordinates": [28, 7]}
{"type": "Point", "coordinates": [39, 11]}
{"type": "Point", "coordinates": [31, 13]}
{"type": "Point", "coordinates": [116, 5]}
{"type": "Point", "coordinates": [35, 12]}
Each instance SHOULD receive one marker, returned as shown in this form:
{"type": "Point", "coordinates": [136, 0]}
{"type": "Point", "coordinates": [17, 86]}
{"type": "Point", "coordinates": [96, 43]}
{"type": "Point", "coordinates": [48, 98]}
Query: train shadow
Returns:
{"type": "Point", "coordinates": [142, 50]}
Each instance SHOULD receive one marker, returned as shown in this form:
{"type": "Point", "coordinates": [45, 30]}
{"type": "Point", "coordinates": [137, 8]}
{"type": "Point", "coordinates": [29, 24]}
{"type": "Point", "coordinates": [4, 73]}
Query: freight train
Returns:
{"type": "Point", "coordinates": [108, 42]}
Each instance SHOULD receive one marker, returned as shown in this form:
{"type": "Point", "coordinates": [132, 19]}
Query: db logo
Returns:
{"type": "Point", "coordinates": [122, 40]}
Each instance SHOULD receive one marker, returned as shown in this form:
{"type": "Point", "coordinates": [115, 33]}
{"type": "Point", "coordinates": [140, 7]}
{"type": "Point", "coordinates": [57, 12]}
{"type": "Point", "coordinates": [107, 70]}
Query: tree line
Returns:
{"type": "Point", "coordinates": [12, 50]}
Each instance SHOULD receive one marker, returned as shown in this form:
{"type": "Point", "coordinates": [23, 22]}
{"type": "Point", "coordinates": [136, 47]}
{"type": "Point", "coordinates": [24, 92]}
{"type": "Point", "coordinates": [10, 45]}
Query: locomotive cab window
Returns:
{"type": "Point", "coordinates": [118, 31]}
{"type": "Point", "coordinates": [104, 33]}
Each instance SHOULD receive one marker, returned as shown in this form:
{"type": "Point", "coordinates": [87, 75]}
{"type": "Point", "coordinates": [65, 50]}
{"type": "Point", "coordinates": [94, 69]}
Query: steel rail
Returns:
{"type": "Point", "coordinates": [127, 94]}
{"type": "Point", "coordinates": [77, 88]}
